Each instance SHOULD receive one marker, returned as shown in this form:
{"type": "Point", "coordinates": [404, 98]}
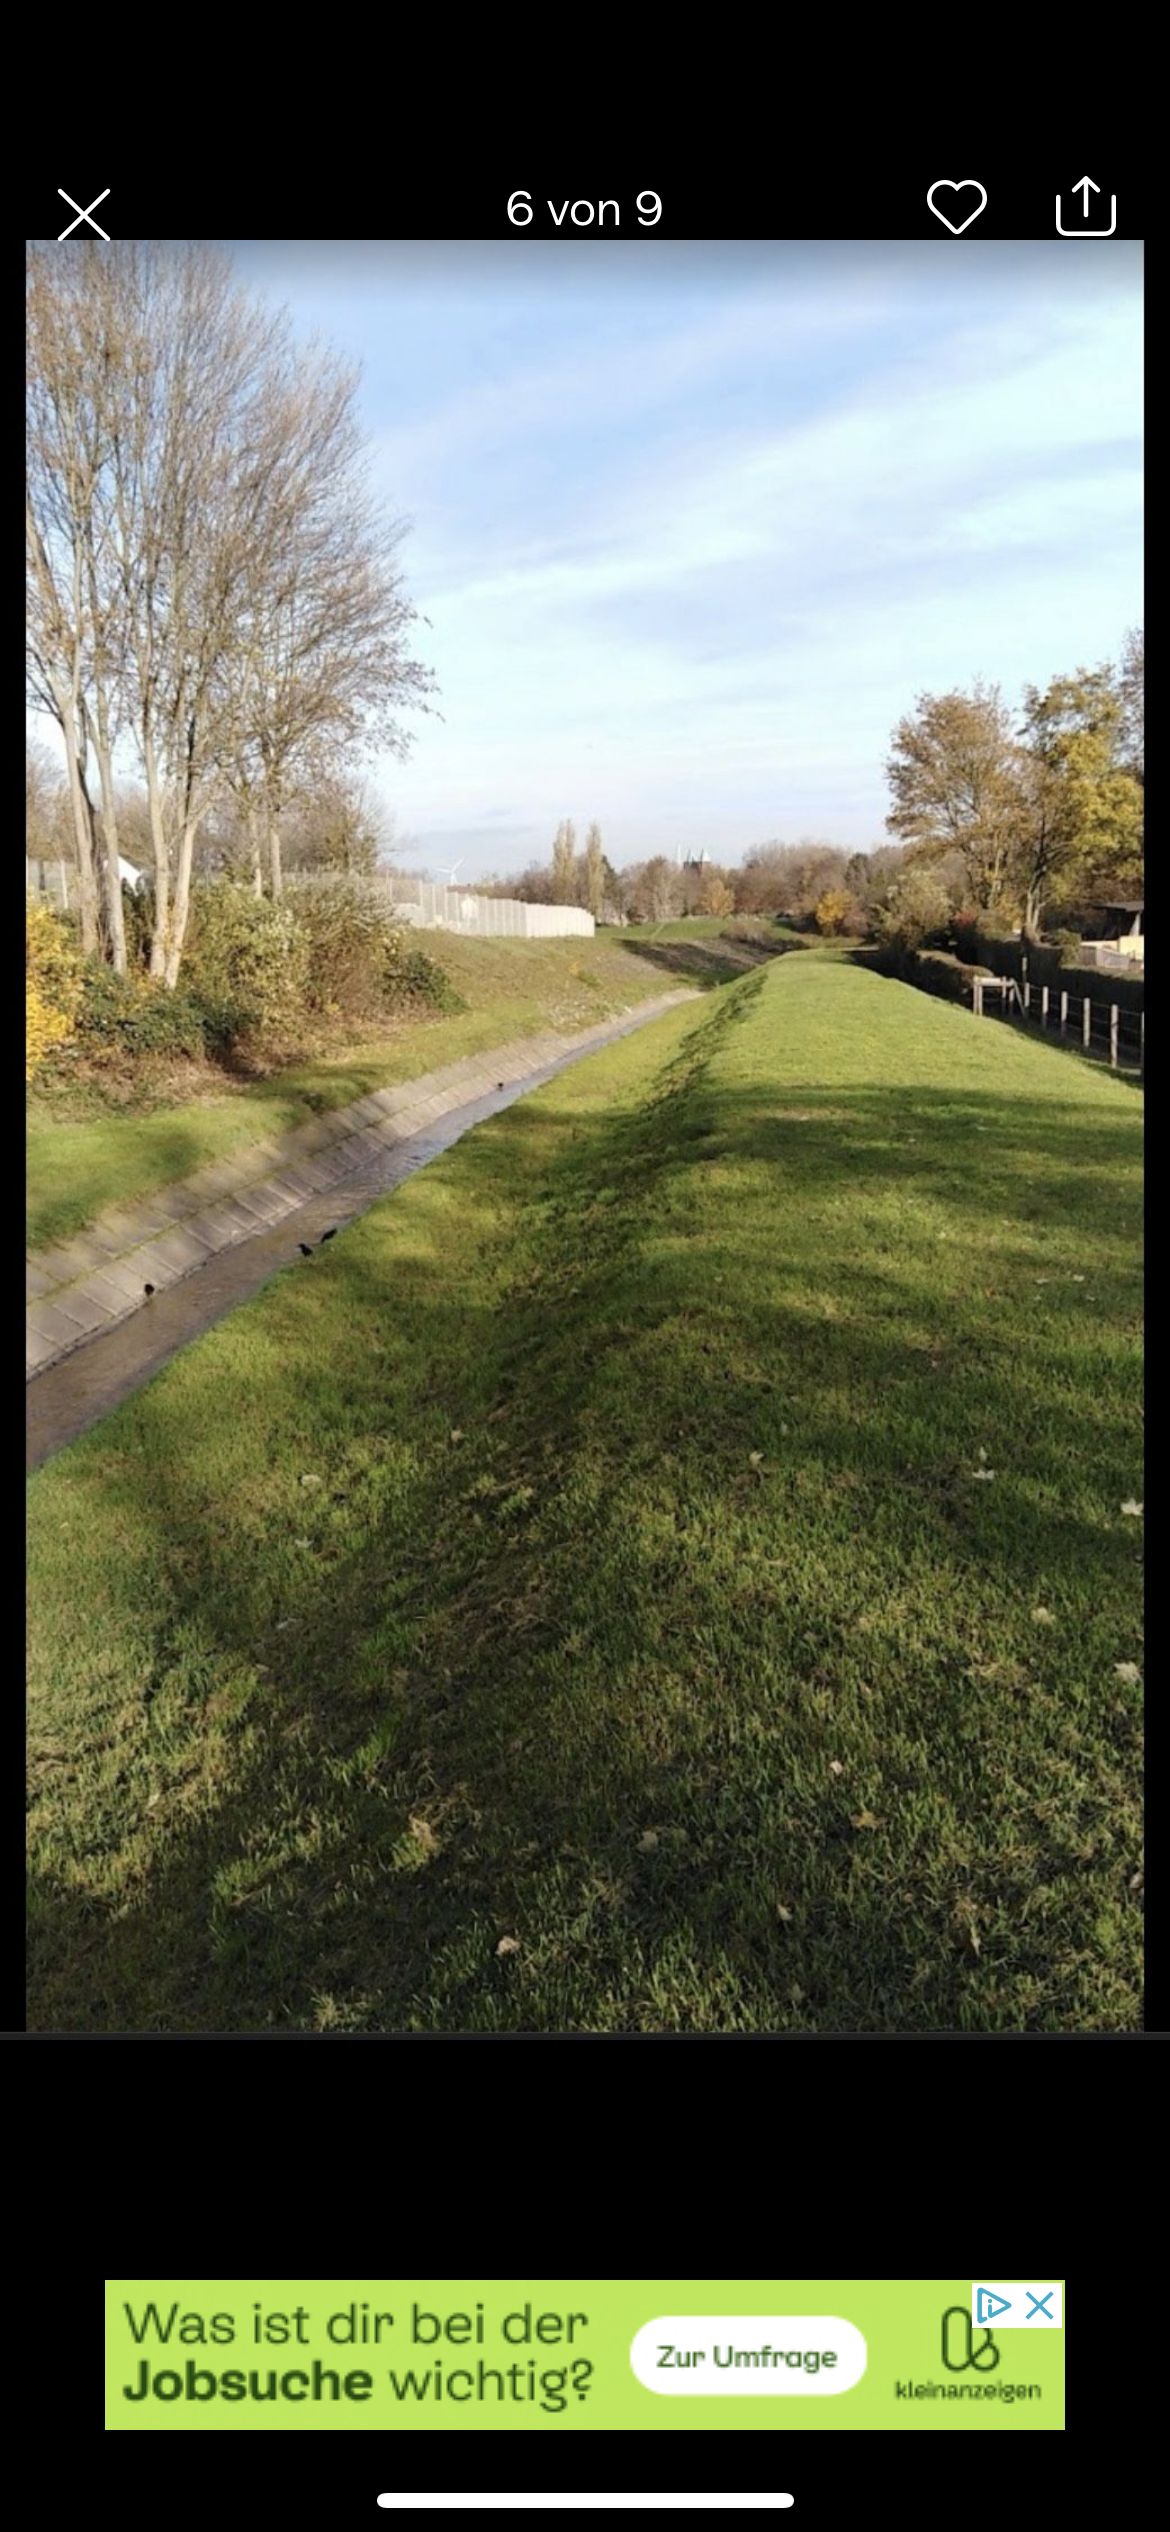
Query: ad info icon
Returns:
{"type": "Point", "coordinates": [1038, 2307]}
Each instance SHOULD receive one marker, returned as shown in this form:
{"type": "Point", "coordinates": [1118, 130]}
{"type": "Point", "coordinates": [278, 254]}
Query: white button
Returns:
{"type": "Point", "coordinates": [746, 2353]}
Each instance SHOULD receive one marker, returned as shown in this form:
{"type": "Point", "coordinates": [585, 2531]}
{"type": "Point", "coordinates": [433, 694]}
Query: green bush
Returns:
{"type": "Point", "coordinates": [417, 978]}
{"type": "Point", "coordinates": [138, 921]}
{"type": "Point", "coordinates": [916, 909]}
{"type": "Point", "coordinates": [936, 971]}
{"type": "Point", "coordinates": [133, 1015]}
{"type": "Point", "coordinates": [353, 941]}
{"type": "Point", "coordinates": [965, 935]}
{"type": "Point", "coordinates": [933, 971]}
{"type": "Point", "coordinates": [246, 963]}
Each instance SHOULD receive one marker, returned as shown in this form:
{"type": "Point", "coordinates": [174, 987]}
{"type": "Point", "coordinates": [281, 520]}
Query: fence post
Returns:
{"type": "Point", "coordinates": [1044, 1004]}
{"type": "Point", "coordinates": [1027, 998]}
{"type": "Point", "coordinates": [1113, 1033]}
{"type": "Point", "coordinates": [1088, 1019]}
{"type": "Point", "coordinates": [1063, 1013]}
{"type": "Point", "coordinates": [978, 986]}
{"type": "Point", "coordinates": [1143, 1030]}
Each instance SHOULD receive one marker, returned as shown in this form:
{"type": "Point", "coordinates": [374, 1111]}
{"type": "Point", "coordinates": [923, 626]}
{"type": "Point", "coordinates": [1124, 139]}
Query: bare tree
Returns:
{"type": "Point", "coordinates": [208, 573]}
{"type": "Point", "coordinates": [337, 824]}
{"type": "Point", "coordinates": [715, 895]}
{"type": "Point", "coordinates": [533, 885]}
{"type": "Point", "coordinates": [48, 817]}
{"type": "Point", "coordinates": [41, 791]}
{"type": "Point", "coordinates": [564, 864]}
{"type": "Point", "coordinates": [594, 871]}
{"type": "Point", "coordinates": [324, 665]}
{"type": "Point", "coordinates": [788, 878]}
{"type": "Point", "coordinates": [58, 508]}
{"type": "Point", "coordinates": [653, 889]}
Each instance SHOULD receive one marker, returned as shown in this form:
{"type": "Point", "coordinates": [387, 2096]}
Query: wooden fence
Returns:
{"type": "Point", "coordinates": [1102, 1028]}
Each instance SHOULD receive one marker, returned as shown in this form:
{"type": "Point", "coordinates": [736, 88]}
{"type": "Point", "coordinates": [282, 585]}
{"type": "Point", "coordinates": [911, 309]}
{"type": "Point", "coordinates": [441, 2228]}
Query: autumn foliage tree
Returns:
{"type": "Point", "coordinates": [1037, 813]}
{"type": "Point", "coordinates": [954, 777]}
{"type": "Point", "coordinates": [715, 896]}
{"type": "Point", "coordinates": [1082, 816]}
{"type": "Point", "coordinates": [834, 910]}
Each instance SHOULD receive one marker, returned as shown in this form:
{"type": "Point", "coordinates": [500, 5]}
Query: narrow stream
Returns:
{"type": "Point", "coordinates": [67, 1397]}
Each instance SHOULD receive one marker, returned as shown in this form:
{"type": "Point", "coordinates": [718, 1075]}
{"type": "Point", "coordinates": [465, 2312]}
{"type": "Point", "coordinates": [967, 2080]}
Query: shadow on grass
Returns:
{"type": "Point", "coordinates": [545, 1655]}
{"type": "Point", "coordinates": [707, 962]}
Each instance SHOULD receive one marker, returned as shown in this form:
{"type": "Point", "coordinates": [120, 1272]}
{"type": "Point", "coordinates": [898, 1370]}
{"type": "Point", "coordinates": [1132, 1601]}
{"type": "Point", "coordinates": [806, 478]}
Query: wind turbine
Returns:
{"type": "Point", "coordinates": [454, 867]}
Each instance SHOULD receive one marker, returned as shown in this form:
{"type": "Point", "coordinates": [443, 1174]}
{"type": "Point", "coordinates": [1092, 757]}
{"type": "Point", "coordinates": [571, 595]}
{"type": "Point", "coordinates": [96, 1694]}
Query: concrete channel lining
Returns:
{"type": "Point", "coordinates": [91, 1283]}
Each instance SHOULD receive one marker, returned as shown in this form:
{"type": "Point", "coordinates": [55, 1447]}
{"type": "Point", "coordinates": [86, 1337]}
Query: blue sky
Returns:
{"type": "Point", "coordinates": [694, 524]}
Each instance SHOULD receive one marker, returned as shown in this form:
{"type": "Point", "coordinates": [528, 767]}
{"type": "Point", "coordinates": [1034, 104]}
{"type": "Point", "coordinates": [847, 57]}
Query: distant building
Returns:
{"type": "Point", "coordinates": [1119, 936]}
{"type": "Point", "coordinates": [56, 880]}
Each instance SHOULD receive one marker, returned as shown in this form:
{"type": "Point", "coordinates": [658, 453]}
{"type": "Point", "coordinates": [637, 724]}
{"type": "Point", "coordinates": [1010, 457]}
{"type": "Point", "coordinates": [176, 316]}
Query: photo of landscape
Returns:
{"type": "Point", "coordinates": [585, 1059]}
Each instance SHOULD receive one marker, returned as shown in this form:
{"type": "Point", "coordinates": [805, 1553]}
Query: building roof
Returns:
{"type": "Point", "coordinates": [1119, 905]}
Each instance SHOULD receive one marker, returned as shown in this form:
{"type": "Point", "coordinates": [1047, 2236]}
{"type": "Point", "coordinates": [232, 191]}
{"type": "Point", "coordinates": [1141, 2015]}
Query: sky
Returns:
{"type": "Point", "coordinates": [691, 526]}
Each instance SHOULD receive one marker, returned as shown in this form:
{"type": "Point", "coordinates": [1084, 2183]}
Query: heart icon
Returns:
{"type": "Point", "coordinates": [966, 184]}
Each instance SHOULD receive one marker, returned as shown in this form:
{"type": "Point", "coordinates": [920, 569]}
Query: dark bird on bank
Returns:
{"type": "Point", "coordinates": [329, 1235]}
{"type": "Point", "coordinates": [305, 1252]}
{"type": "Point", "coordinates": [499, 1085]}
{"type": "Point", "coordinates": [148, 1289]}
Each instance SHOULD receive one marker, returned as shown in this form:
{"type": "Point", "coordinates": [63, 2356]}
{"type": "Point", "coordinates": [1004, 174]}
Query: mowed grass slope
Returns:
{"type": "Point", "coordinates": [79, 1164]}
{"type": "Point", "coordinates": [679, 1538]}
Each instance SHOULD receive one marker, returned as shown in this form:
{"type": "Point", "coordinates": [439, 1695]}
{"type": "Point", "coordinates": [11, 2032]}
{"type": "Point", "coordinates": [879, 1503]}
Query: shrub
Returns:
{"type": "Point", "coordinates": [915, 910]}
{"type": "Point", "coordinates": [138, 921]}
{"type": "Point", "coordinates": [129, 1016]}
{"type": "Point", "coordinates": [354, 944]}
{"type": "Point", "coordinates": [1048, 966]}
{"type": "Point", "coordinates": [54, 970]}
{"type": "Point", "coordinates": [834, 910]}
{"type": "Point", "coordinates": [416, 978]}
{"type": "Point", "coordinates": [246, 962]}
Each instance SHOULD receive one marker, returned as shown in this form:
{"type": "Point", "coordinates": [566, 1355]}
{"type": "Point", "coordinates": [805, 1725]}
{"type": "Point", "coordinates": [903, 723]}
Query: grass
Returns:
{"type": "Point", "coordinates": [708, 949]}
{"type": "Point", "coordinates": [679, 1536]}
{"type": "Point", "coordinates": [712, 927]}
{"type": "Point", "coordinates": [78, 1164]}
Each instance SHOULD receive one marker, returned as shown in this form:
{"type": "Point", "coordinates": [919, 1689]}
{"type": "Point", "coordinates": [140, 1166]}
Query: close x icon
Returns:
{"type": "Point", "coordinates": [959, 2350]}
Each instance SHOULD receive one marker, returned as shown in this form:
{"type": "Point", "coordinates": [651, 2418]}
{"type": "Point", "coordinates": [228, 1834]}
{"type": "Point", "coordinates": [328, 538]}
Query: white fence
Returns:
{"type": "Point", "coordinates": [1101, 1027]}
{"type": "Point", "coordinates": [460, 910]}
{"type": "Point", "coordinates": [48, 879]}
{"type": "Point", "coordinates": [414, 901]}
{"type": "Point", "coordinates": [53, 880]}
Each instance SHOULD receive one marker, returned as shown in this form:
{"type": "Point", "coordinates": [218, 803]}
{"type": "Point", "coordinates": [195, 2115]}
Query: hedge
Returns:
{"type": "Point", "coordinates": [1046, 967]}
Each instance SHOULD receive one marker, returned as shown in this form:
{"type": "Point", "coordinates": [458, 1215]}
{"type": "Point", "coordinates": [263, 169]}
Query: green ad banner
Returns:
{"type": "Point", "coordinates": [553, 2354]}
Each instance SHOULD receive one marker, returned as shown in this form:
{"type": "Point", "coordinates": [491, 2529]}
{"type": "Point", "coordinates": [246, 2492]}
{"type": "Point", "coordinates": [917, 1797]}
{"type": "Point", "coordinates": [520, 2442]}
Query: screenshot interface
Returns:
{"type": "Point", "coordinates": [585, 1054]}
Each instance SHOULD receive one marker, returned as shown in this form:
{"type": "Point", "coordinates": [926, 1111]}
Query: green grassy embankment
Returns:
{"type": "Point", "coordinates": [84, 1155]}
{"type": "Point", "coordinates": [667, 1568]}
